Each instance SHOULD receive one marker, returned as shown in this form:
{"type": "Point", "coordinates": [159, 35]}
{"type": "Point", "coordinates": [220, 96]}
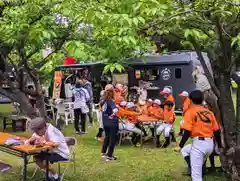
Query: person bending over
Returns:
{"type": "Point", "coordinates": [200, 124]}
{"type": "Point", "coordinates": [47, 134]}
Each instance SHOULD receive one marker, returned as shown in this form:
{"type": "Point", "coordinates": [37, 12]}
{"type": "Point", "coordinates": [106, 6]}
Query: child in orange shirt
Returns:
{"type": "Point", "coordinates": [155, 111]}
{"type": "Point", "coordinates": [142, 107]}
{"type": "Point", "coordinates": [186, 104]}
{"type": "Point", "coordinates": [167, 125]}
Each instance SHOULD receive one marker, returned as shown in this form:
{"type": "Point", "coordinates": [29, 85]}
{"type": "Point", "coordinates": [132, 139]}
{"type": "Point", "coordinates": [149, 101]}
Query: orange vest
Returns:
{"type": "Point", "coordinates": [142, 109]}
{"type": "Point", "coordinates": [200, 121]}
{"type": "Point", "coordinates": [170, 98]}
{"type": "Point", "coordinates": [186, 104]}
{"type": "Point", "coordinates": [156, 112]}
{"type": "Point", "coordinates": [169, 116]}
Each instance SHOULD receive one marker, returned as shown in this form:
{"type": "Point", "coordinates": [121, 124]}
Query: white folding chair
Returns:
{"type": "Point", "coordinates": [66, 113]}
{"type": "Point", "coordinates": [72, 143]}
{"type": "Point", "coordinates": [50, 109]}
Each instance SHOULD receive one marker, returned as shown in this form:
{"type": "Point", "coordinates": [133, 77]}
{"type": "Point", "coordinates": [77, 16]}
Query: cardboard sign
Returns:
{"type": "Point", "coordinates": [57, 84]}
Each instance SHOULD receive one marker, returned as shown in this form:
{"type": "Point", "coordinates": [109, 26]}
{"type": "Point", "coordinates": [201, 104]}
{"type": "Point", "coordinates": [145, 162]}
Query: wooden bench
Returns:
{"type": "Point", "coordinates": [17, 122]}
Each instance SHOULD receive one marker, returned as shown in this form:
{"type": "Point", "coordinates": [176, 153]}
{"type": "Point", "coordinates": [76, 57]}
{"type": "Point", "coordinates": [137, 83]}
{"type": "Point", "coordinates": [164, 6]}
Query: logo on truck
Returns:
{"type": "Point", "coordinates": [166, 74]}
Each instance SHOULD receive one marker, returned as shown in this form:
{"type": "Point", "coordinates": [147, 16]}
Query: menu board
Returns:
{"type": "Point", "coordinates": [57, 84]}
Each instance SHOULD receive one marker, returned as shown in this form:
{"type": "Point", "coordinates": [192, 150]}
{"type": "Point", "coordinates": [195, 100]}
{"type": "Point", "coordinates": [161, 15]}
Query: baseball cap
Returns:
{"type": "Point", "coordinates": [130, 105]}
{"type": "Point", "coordinates": [166, 91]}
{"type": "Point", "coordinates": [142, 102]}
{"type": "Point", "coordinates": [157, 101]}
{"type": "Point", "coordinates": [184, 94]}
{"type": "Point", "coordinates": [150, 100]}
{"type": "Point", "coordinates": [123, 103]}
{"type": "Point", "coordinates": [119, 86]}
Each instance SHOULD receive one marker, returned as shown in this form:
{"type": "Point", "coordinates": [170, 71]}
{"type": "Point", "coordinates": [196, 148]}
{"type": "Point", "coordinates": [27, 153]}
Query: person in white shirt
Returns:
{"type": "Point", "coordinates": [47, 134]}
{"type": "Point", "coordinates": [80, 99]}
{"type": "Point", "coordinates": [203, 85]}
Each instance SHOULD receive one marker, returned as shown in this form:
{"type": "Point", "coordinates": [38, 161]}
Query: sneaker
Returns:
{"type": "Point", "coordinates": [100, 138]}
{"type": "Point", "coordinates": [111, 158]}
{"type": "Point", "coordinates": [78, 132]}
{"type": "Point", "coordinates": [103, 155]}
{"type": "Point", "coordinates": [84, 132]}
{"type": "Point", "coordinates": [90, 125]}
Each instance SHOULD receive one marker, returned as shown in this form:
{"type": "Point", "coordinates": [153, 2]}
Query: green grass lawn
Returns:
{"type": "Point", "coordinates": [134, 164]}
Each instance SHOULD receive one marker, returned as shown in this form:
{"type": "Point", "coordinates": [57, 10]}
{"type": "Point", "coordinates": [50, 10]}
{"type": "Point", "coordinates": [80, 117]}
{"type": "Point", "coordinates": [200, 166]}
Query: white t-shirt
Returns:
{"type": "Point", "coordinates": [81, 97]}
{"type": "Point", "coordinates": [54, 135]}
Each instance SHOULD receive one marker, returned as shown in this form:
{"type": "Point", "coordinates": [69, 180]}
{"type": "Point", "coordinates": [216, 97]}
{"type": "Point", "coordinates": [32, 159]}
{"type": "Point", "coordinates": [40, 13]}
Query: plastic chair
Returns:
{"type": "Point", "coordinates": [50, 109]}
{"type": "Point", "coordinates": [72, 143]}
{"type": "Point", "coordinates": [66, 113]}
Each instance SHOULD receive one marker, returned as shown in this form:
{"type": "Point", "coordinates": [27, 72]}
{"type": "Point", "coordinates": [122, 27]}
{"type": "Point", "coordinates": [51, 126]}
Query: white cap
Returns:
{"type": "Point", "coordinates": [123, 103]}
{"type": "Point", "coordinates": [149, 100]}
{"type": "Point", "coordinates": [157, 101]}
{"type": "Point", "coordinates": [130, 105]}
{"type": "Point", "coordinates": [184, 94]}
{"type": "Point", "coordinates": [166, 91]}
{"type": "Point", "coordinates": [119, 86]}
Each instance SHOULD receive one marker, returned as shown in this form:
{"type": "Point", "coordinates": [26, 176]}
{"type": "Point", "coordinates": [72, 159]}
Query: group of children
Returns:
{"type": "Point", "coordinates": [128, 113]}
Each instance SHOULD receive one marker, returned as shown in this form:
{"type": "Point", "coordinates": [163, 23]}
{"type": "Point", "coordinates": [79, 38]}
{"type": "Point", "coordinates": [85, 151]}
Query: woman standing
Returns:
{"type": "Point", "coordinates": [80, 99]}
{"type": "Point", "coordinates": [110, 123]}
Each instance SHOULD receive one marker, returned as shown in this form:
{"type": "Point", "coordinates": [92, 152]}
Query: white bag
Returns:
{"type": "Point", "coordinates": [85, 109]}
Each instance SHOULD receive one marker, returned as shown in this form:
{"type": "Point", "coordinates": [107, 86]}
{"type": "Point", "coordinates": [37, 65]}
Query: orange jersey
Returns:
{"type": "Point", "coordinates": [128, 113]}
{"type": "Point", "coordinates": [155, 112]}
{"type": "Point", "coordinates": [186, 104]}
{"type": "Point", "coordinates": [142, 109]}
{"type": "Point", "coordinates": [170, 98]}
{"type": "Point", "coordinates": [200, 121]}
{"type": "Point", "coordinates": [169, 116]}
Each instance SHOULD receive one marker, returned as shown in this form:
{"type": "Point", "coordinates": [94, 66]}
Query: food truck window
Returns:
{"type": "Point", "coordinates": [178, 73]}
{"type": "Point", "coordinates": [149, 74]}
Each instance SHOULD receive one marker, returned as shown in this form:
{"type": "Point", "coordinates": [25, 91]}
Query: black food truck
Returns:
{"type": "Point", "coordinates": [173, 70]}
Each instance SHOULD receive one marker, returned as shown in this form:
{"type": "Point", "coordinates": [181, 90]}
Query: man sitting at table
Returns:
{"type": "Point", "coordinates": [53, 137]}
{"type": "Point", "coordinates": [155, 111]}
{"type": "Point", "coordinates": [167, 125]}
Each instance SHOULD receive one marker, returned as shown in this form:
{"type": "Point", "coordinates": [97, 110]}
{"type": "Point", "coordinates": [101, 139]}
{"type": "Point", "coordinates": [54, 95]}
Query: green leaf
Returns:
{"type": "Point", "coordinates": [235, 40]}
{"type": "Point", "coordinates": [135, 21]}
{"type": "Point", "coordinates": [126, 39]}
{"type": "Point", "coordinates": [133, 40]}
{"type": "Point", "coordinates": [142, 20]}
{"type": "Point", "coordinates": [119, 67]}
{"type": "Point", "coordinates": [107, 68]}
{"type": "Point", "coordinates": [112, 68]}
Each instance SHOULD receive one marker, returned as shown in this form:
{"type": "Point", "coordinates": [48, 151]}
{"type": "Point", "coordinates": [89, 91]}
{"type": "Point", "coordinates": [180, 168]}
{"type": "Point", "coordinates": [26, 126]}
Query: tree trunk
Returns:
{"type": "Point", "coordinates": [228, 120]}
{"type": "Point", "coordinates": [40, 105]}
{"type": "Point", "coordinates": [238, 114]}
{"type": "Point", "coordinates": [15, 95]}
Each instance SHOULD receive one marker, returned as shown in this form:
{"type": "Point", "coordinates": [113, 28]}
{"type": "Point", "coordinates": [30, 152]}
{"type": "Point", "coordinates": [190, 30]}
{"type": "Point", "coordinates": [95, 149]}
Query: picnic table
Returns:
{"type": "Point", "coordinates": [145, 119]}
{"type": "Point", "coordinates": [24, 151]}
{"type": "Point", "coordinates": [18, 122]}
